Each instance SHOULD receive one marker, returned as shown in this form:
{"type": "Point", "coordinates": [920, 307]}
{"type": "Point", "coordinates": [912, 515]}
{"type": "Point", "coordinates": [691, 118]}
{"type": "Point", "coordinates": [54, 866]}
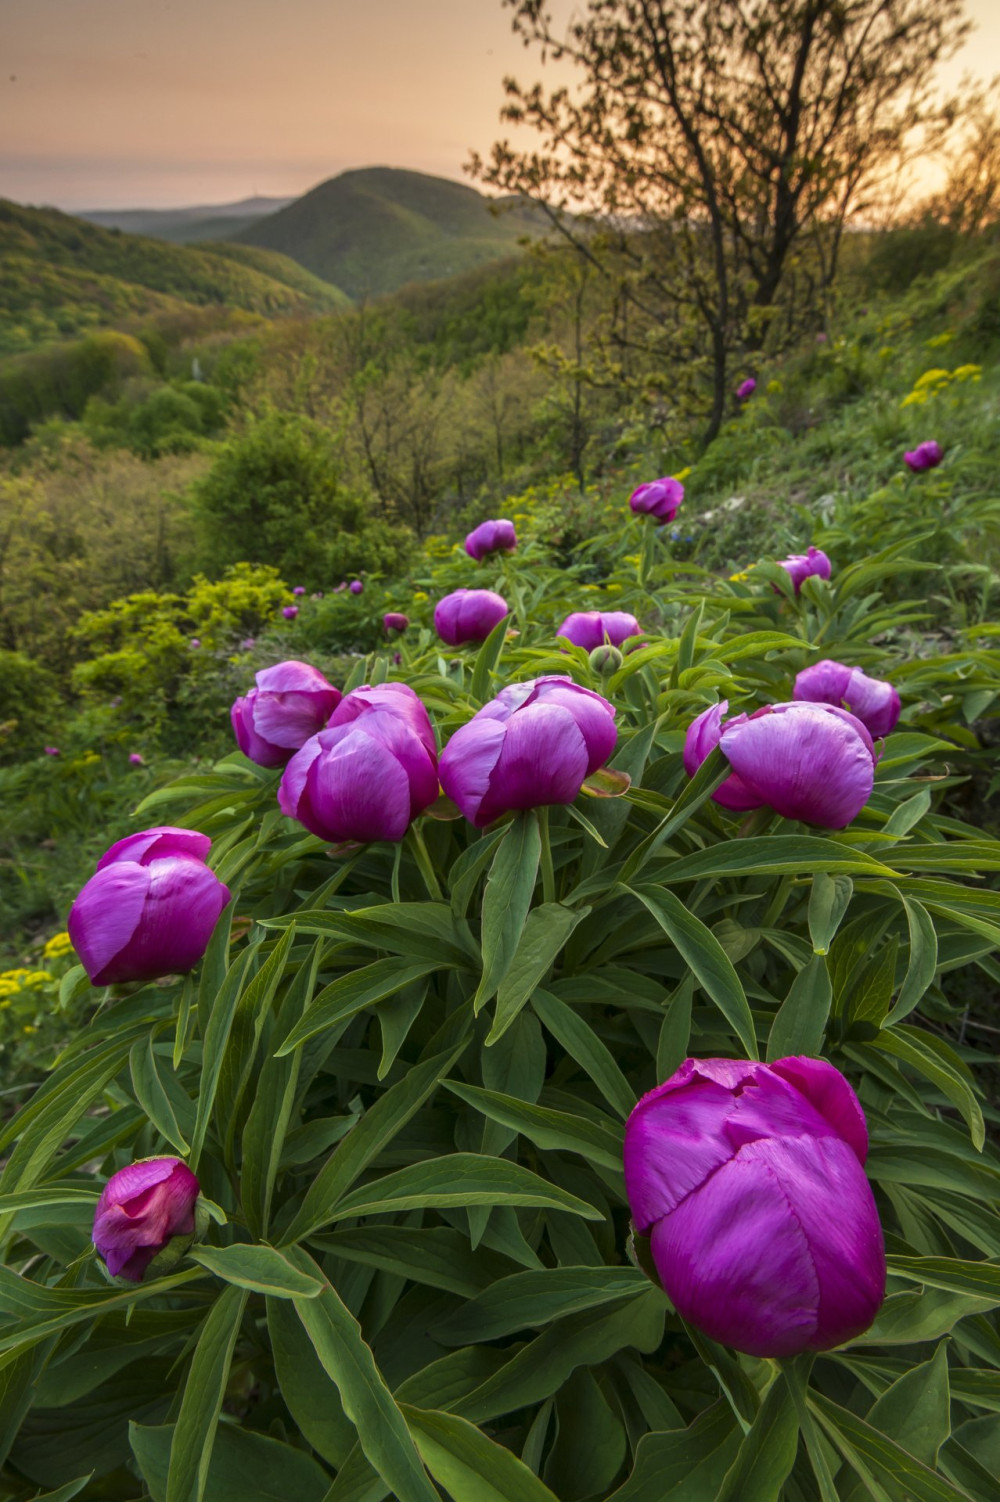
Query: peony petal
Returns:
{"type": "Point", "coordinates": [293, 782]}
{"type": "Point", "coordinates": [105, 915]}
{"type": "Point", "coordinates": [356, 791]}
{"type": "Point", "coordinates": [150, 844]}
{"type": "Point", "coordinates": [674, 1140]}
{"type": "Point", "coordinates": [543, 760]}
{"type": "Point", "coordinates": [830, 1094]}
{"type": "Point", "coordinates": [703, 735]}
{"type": "Point", "coordinates": [467, 763]}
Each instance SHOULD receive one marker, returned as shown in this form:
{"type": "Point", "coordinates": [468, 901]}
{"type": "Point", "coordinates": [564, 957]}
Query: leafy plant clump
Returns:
{"type": "Point", "coordinates": [401, 1075]}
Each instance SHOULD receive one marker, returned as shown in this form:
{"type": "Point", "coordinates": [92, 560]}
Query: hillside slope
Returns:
{"type": "Point", "coordinates": [375, 229]}
{"type": "Point", "coordinates": [62, 276]}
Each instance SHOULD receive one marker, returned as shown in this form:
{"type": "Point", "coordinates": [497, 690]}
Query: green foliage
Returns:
{"type": "Point", "coordinates": [275, 495]}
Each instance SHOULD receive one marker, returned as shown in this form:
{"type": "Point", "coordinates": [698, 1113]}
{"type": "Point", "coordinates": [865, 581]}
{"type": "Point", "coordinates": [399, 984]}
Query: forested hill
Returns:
{"type": "Point", "coordinates": [373, 230]}
{"type": "Point", "coordinates": [62, 276]}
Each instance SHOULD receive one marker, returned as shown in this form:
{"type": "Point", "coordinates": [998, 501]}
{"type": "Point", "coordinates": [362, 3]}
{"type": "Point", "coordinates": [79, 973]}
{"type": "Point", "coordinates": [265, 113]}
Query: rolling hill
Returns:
{"type": "Point", "coordinates": [62, 276]}
{"type": "Point", "coordinates": [373, 230]}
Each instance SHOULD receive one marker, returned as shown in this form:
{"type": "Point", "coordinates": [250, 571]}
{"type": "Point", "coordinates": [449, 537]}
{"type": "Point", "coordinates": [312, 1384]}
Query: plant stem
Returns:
{"type": "Point", "coordinates": [548, 873]}
{"type": "Point", "coordinates": [424, 863]}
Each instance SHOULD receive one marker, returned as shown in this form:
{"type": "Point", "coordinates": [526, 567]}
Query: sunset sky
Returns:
{"type": "Point", "coordinates": [153, 103]}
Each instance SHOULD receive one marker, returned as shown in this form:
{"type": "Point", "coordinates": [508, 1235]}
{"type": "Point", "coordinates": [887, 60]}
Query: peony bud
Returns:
{"type": "Point", "coordinates": [534, 744]}
{"type": "Point", "coordinates": [659, 498]}
{"type": "Point", "coordinates": [802, 566]}
{"type": "Point", "coordinates": [606, 660]}
{"type": "Point", "coordinates": [806, 761]}
{"type": "Point", "coordinates": [291, 702]}
{"type": "Point", "coordinates": [491, 537]}
{"type": "Point", "coordinates": [145, 1209]}
{"type": "Point", "coordinates": [150, 908]}
{"type": "Point", "coordinates": [394, 620]}
{"type": "Point", "coordinates": [355, 586]}
{"type": "Point", "coordinates": [591, 628]}
{"type": "Point", "coordinates": [746, 389]}
{"type": "Point", "coordinates": [289, 612]}
{"type": "Point", "coordinates": [749, 1180]}
{"type": "Point", "coordinates": [871, 700]}
{"type": "Point", "coordinates": [468, 615]}
{"type": "Point", "coordinates": [926, 455]}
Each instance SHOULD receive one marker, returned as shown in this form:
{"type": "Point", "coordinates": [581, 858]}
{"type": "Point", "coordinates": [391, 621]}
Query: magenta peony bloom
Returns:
{"type": "Point", "coordinates": [659, 498]}
{"type": "Point", "coordinates": [806, 761]}
{"type": "Point", "coordinates": [142, 1209]}
{"type": "Point", "coordinates": [52, 751]}
{"type": "Point", "coordinates": [534, 744]}
{"type": "Point", "coordinates": [136, 758]}
{"type": "Point", "coordinates": [746, 389]}
{"type": "Point", "coordinates": [195, 642]}
{"type": "Point", "coordinates": [871, 700]}
{"type": "Point", "coordinates": [355, 586]}
{"type": "Point", "coordinates": [803, 566]}
{"type": "Point", "coordinates": [150, 908]}
{"type": "Point", "coordinates": [468, 615]}
{"type": "Point", "coordinates": [291, 702]}
{"type": "Point", "coordinates": [369, 773]}
{"type": "Point", "coordinates": [749, 1180]}
{"type": "Point", "coordinates": [491, 537]}
{"type": "Point", "coordinates": [394, 620]}
{"type": "Point", "coordinates": [927, 455]}
{"type": "Point", "coordinates": [299, 589]}
{"type": "Point", "coordinates": [593, 628]}
{"type": "Point", "coordinates": [289, 612]}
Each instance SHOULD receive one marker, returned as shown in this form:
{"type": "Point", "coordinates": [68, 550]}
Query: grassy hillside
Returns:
{"type": "Point", "coordinates": [62, 276]}
{"type": "Point", "coordinates": [374, 230]}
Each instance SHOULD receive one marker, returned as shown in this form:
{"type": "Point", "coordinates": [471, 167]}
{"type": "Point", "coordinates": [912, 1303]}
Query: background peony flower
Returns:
{"type": "Point", "coordinates": [659, 498]}
{"type": "Point", "coordinates": [534, 744]}
{"type": "Point", "coordinates": [926, 455]}
{"type": "Point", "coordinates": [355, 586]}
{"type": "Point", "coordinates": [136, 758]}
{"type": "Point", "coordinates": [749, 1179]}
{"type": "Point", "coordinates": [593, 628]}
{"type": "Point", "coordinates": [491, 537]}
{"type": "Point", "coordinates": [140, 1211]}
{"type": "Point", "coordinates": [468, 615]}
{"type": "Point", "coordinates": [812, 762]}
{"type": "Point", "coordinates": [291, 702]}
{"type": "Point", "coordinates": [394, 620]}
{"type": "Point", "coordinates": [746, 389]}
{"type": "Point", "coordinates": [149, 909]}
{"type": "Point", "coordinates": [871, 700]}
{"type": "Point", "coordinates": [289, 612]}
{"type": "Point", "coordinates": [299, 589]}
{"type": "Point", "coordinates": [367, 776]}
{"type": "Point", "coordinates": [52, 751]}
{"type": "Point", "coordinates": [802, 566]}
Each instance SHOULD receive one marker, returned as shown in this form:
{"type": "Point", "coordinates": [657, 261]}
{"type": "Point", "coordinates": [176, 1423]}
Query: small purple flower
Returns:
{"type": "Point", "coordinates": [289, 612]}
{"type": "Point", "coordinates": [52, 751]}
{"type": "Point", "coordinates": [394, 620]}
{"type": "Point", "coordinates": [291, 702]}
{"type": "Point", "coordinates": [149, 909]}
{"type": "Point", "coordinates": [749, 1181]}
{"type": "Point", "coordinates": [926, 455]}
{"type": "Point", "coordinates": [248, 643]}
{"type": "Point", "coordinates": [803, 566]}
{"type": "Point", "coordinates": [142, 1209]}
{"type": "Point", "coordinates": [468, 615]}
{"type": "Point", "coordinates": [491, 537]}
{"type": "Point", "coordinates": [116, 702]}
{"type": "Point", "coordinates": [592, 628]}
{"type": "Point", "coordinates": [195, 642]}
{"type": "Point", "coordinates": [355, 586]}
{"type": "Point", "coordinates": [369, 773]}
{"type": "Point", "coordinates": [137, 759]}
{"type": "Point", "coordinates": [341, 587]}
{"type": "Point", "coordinates": [317, 594]}
{"type": "Point", "coordinates": [746, 389]}
{"type": "Point", "coordinates": [871, 700]}
{"type": "Point", "coordinates": [299, 589]}
{"type": "Point", "coordinates": [536, 743]}
{"type": "Point", "coordinates": [813, 762]}
{"type": "Point", "coordinates": [659, 498]}
{"type": "Point", "coordinates": [821, 338]}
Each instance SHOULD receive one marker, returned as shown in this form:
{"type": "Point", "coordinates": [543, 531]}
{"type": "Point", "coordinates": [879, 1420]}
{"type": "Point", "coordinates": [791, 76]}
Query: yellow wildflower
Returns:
{"type": "Point", "coordinates": [58, 947]}
{"type": "Point", "coordinates": [419, 597]}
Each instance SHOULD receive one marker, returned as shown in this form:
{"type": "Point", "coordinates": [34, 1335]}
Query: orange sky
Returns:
{"type": "Point", "coordinates": [126, 103]}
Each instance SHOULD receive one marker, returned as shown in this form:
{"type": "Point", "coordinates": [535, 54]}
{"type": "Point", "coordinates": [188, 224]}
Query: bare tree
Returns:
{"type": "Point", "coordinates": [716, 146]}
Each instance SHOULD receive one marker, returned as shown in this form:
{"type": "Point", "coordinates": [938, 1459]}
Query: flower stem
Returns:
{"type": "Point", "coordinates": [424, 863]}
{"type": "Point", "coordinates": [548, 873]}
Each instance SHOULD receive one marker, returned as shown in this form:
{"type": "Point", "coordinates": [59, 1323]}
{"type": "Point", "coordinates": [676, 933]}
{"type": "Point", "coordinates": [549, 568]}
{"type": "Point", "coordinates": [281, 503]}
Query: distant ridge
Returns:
{"type": "Point", "coordinates": [372, 230]}
{"type": "Point", "coordinates": [211, 221]}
